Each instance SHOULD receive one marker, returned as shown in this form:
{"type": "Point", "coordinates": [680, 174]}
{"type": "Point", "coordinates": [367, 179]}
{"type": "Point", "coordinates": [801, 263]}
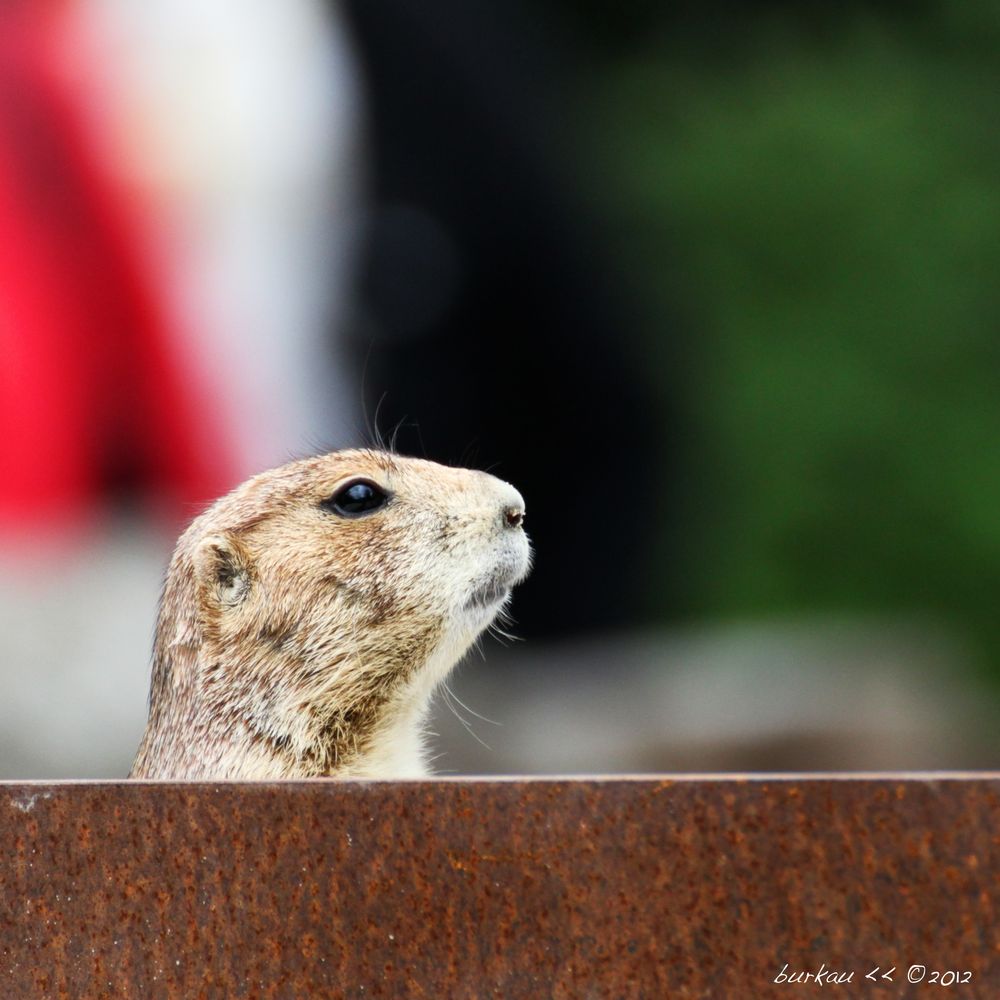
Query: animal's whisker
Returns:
{"type": "Point", "coordinates": [471, 711]}
{"type": "Point", "coordinates": [447, 694]}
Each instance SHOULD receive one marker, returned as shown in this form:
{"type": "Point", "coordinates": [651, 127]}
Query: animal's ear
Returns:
{"type": "Point", "coordinates": [223, 569]}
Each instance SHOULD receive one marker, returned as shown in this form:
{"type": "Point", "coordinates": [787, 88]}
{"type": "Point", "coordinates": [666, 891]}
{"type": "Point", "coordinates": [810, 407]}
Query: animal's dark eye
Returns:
{"type": "Point", "coordinates": [355, 499]}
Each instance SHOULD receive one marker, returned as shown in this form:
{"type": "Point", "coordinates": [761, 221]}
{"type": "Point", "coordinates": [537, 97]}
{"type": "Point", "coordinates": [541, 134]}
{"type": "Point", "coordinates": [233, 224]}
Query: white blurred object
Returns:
{"type": "Point", "coordinates": [237, 123]}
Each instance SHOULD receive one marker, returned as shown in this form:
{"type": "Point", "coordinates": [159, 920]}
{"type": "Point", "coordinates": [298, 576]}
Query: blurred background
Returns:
{"type": "Point", "coordinates": [713, 284]}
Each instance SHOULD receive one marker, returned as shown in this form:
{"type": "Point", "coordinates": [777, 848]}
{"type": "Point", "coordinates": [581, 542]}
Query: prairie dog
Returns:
{"type": "Point", "coordinates": [308, 616]}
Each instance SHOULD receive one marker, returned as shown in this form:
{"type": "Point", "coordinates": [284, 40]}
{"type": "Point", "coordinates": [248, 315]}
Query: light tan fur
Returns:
{"type": "Point", "coordinates": [293, 642]}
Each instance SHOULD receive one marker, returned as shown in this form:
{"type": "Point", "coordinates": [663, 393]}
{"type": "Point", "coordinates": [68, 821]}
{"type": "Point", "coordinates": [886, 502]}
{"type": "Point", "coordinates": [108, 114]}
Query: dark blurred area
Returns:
{"type": "Point", "coordinates": [494, 331]}
{"type": "Point", "coordinates": [712, 285]}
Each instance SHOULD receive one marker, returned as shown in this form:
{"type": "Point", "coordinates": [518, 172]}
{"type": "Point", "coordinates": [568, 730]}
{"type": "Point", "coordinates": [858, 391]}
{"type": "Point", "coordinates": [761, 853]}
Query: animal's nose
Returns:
{"type": "Point", "coordinates": [512, 516]}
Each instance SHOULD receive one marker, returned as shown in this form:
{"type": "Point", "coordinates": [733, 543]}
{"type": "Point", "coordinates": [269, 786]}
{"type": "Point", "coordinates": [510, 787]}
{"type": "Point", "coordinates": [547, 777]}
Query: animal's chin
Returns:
{"type": "Point", "coordinates": [489, 595]}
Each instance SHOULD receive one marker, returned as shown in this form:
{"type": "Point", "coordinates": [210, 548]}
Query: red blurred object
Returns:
{"type": "Point", "coordinates": [96, 395]}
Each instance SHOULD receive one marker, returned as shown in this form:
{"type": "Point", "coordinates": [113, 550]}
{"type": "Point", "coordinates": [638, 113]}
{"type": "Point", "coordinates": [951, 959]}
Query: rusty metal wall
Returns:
{"type": "Point", "coordinates": [652, 888]}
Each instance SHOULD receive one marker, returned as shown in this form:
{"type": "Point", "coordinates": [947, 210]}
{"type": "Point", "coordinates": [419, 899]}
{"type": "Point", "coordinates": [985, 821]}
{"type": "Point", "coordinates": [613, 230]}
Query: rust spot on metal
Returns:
{"type": "Point", "coordinates": [515, 889]}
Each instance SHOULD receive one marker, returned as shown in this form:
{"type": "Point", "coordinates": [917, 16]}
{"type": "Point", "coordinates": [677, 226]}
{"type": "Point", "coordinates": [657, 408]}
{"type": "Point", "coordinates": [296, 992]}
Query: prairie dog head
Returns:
{"type": "Point", "coordinates": [309, 614]}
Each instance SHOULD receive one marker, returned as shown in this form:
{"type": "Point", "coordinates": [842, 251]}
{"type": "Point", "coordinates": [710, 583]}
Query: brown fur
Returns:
{"type": "Point", "coordinates": [292, 642]}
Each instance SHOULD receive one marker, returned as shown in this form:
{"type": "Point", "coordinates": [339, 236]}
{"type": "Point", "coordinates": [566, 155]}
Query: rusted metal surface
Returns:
{"type": "Point", "coordinates": [515, 889]}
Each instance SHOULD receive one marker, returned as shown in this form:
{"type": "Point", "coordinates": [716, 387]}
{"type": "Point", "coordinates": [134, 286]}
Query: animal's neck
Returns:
{"type": "Point", "coordinates": [285, 711]}
{"type": "Point", "coordinates": [195, 732]}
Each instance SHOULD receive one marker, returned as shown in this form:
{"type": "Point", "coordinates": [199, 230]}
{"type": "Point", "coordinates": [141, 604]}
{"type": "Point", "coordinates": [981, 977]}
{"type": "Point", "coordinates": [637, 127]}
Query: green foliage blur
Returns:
{"type": "Point", "coordinates": [811, 200]}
